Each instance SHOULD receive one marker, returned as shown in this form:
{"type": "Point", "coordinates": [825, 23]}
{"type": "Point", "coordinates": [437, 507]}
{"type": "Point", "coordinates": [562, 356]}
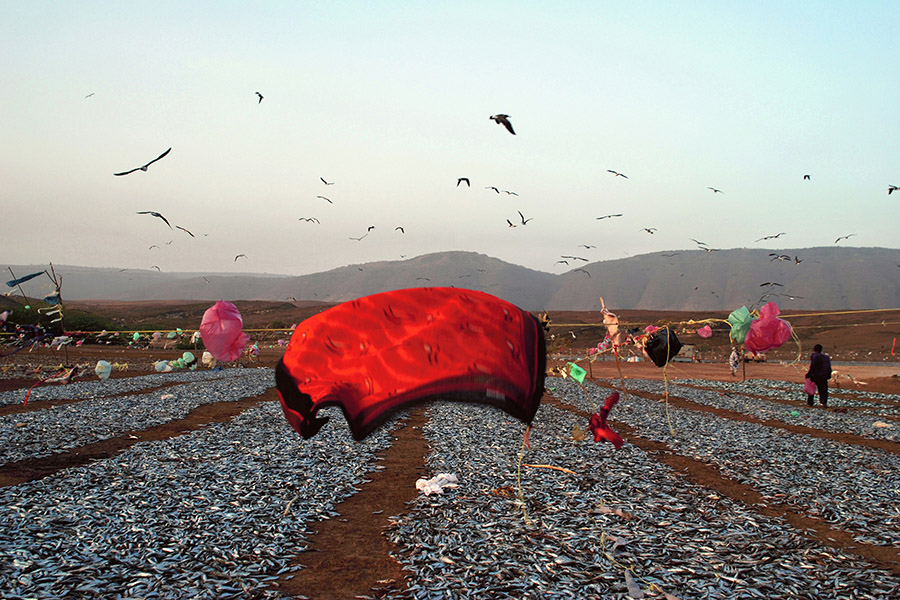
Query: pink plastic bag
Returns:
{"type": "Point", "coordinates": [768, 331]}
{"type": "Point", "coordinates": [705, 331]}
{"type": "Point", "coordinates": [809, 386]}
{"type": "Point", "coordinates": [221, 331]}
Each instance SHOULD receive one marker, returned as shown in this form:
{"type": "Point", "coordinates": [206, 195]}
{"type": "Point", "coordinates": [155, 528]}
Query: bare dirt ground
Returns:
{"type": "Point", "coordinates": [346, 557]}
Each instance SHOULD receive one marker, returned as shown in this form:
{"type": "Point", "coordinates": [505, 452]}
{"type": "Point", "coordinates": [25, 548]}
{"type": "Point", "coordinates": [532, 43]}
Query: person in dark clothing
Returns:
{"type": "Point", "coordinates": [819, 373]}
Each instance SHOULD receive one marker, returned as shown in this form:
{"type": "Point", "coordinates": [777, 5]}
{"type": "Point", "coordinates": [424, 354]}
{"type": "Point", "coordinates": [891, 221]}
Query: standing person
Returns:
{"type": "Point", "coordinates": [819, 373]}
{"type": "Point", "coordinates": [734, 361]}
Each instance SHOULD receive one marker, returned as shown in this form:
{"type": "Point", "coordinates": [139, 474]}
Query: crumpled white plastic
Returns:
{"type": "Point", "coordinates": [436, 484]}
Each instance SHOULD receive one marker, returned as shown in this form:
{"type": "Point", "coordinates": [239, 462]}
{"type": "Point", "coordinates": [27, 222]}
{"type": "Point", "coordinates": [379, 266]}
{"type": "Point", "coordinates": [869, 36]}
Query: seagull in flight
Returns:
{"type": "Point", "coordinates": [771, 283]}
{"type": "Point", "coordinates": [309, 219]}
{"type": "Point", "coordinates": [260, 97]}
{"type": "Point", "coordinates": [184, 230]}
{"type": "Point", "coordinates": [575, 258]}
{"type": "Point", "coordinates": [157, 268]}
{"type": "Point", "coordinates": [461, 179]}
{"type": "Point", "coordinates": [892, 189]}
{"type": "Point", "coordinates": [324, 198]}
{"type": "Point", "coordinates": [239, 256]}
{"type": "Point", "coordinates": [588, 246]}
{"type": "Point", "coordinates": [510, 223]}
{"type": "Point", "coordinates": [359, 239]}
{"type": "Point", "coordinates": [509, 193]}
{"type": "Point", "coordinates": [370, 228]}
{"type": "Point", "coordinates": [503, 120]}
{"type": "Point", "coordinates": [400, 228]}
{"type": "Point", "coordinates": [806, 177]}
{"type": "Point", "coordinates": [561, 261]}
{"type": "Point", "coordinates": [144, 168]}
{"type": "Point", "coordinates": [152, 247]}
{"type": "Point", "coordinates": [157, 215]}
{"type": "Point", "coordinates": [583, 271]}
{"type": "Point", "coordinates": [326, 182]}
{"type": "Point", "coordinates": [609, 216]}
{"type": "Point", "coordinates": [617, 174]}
{"type": "Point", "coordinates": [715, 191]}
{"type": "Point", "coordinates": [490, 187]}
{"type": "Point", "coordinates": [524, 220]}
{"type": "Point", "coordinates": [844, 237]}
{"type": "Point", "coordinates": [770, 237]}
{"type": "Point", "coordinates": [89, 95]}
{"type": "Point", "coordinates": [650, 230]}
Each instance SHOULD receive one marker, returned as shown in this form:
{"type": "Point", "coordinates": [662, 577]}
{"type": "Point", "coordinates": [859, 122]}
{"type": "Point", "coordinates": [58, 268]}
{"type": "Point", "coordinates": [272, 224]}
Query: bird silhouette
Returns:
{"type": "Point", "coordinates": [509, 193]}
{"type": "Point", "coordinates": [184, 230]}
{"type": "Point", "coordinates": [503, 120]}
{"type": "Point", "coordinates": [239, 256]}
{"type": "Point", "coordinates": [157, 215]}
{"type": "Point", "coordinates": [400, 228]}
{"type": "Point", "coordinates": [650, 230]}
{"type": "Point", "coordinates": [583, 271]}
{"type": "Point", "coordinates": [715, 191]}
{"type": "Point", "coordinates": [461, 179]}
{"type": "Point", "coordinates": [617, 174]}
{"type": "Point", "coordinates": [844, 237]}
{"type": "Point", "coordinates": [155, 267]}
{"type": "Point", "coordinates": [770, 237]}
{"type": "Point", "coordinates": [359, 239]}
{"type": "Point", "coordinates": [575, 258]}
{"type": "Point", "coordinates": [524, 220]}
{"type": "Point", "coordinates": [152, 247]}
{"type": "Point", "coordinates": [326, 182]}
{"type": "Point", "coordinates": [565, 262]}
{"type": "Point", "coordinates": [144, 168]}
{"type": "Point", "coordinates": [806, 177]}
{"type": "Point", "coordinates": [309, 219]}
{"type": "Point", "coordinates": [490, 187]}
{"type": "Point", "coordinates": [892, 189]}
{"type": "Point", "coordinates": [370, 228]}
{"type": "Point", "coordinates": [510, 223]}
{"type": "Point", "coordinates": [260, 97]}
{"type": "Point", "coordinates": [609, 216]}
{"type": "Point", "coordinates": [588, 246]}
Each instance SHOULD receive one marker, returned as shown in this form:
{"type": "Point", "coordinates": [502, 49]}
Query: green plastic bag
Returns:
{"type": "Point", "coordinates": [740, 320]}
{"type": "Point", "coordinates": [576, 372]}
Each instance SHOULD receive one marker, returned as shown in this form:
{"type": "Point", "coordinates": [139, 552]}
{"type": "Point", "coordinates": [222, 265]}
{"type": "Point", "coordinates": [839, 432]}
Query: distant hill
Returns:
{"type": "Point", "coordinates": [824, 278]}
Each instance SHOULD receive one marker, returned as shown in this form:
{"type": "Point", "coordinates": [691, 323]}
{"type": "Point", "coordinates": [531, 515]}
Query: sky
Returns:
{"type": "Point", "coordinates": [391, 101]}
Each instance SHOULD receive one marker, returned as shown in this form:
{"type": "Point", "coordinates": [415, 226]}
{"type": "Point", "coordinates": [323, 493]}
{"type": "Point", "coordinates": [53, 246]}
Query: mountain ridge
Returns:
{"type": "Point", "coordinates": [824, 278]}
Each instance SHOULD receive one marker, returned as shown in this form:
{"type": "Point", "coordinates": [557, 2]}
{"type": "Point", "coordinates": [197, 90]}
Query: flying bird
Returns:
{"type": "Point", "coordinates": [490, 187]}
{"type": "Point", "coordinates": [359, 239]}
{"type": "Point", "coordinates": [509, 193]}
{"type": "Point", "coordinates": [609, 216]}
{"type": "Point", "coordinates": [650, 230]}
{"type": "Point", "coordinates": [260, 97]}
{"type": "Point", "coordinates": [205, 279]}
{"type": "Point", "coordinates": [771, 283]}
{"type": "Point", "coordinates": [806, 177]}
{"type": "Point", "coordinates": [89, 95]}
{"type": "Point", "coordinates": [575, 258]}
{"type": "Point", "coordinates": [770, 237]}
{"type": "Point", "coordinates": [309, 219]}
{"type": "Point", "coordinates": [583, 271]}
{"type": "Point", "coordinates": [586, 246]}
{"type": "Point", "coordinates": [781, 257]}
{"type": "Point", "coordinates": [461, 179]}
{"type": "Point", "coordinates": [326, 182]}
{"type": "Point", "coordinates": [144, 168]}
{"type": "Point", "coordinates": [400, 228]}
{"type": "Point", "coordinates": [562, 261]}
{"type": "Point", "coordinates": [152, 247]}
{"type": "Point", "coordinates": [524, 220]}
{"type": "Point", "coordinates": [617, 174]}
{"type": "Point", "coordinates": [715, 191]}
{"type": "Point", "coordinates": [157, 215]}
{"type": "Point", "coordinates": [326, 199]}
{"type": "Point", "coordinates": [510, 223]}
{"type": "Point", "coordinates": [184, 230]}
{"type": "Point", "coordinates": [155, 267]}
{"type": "Point", "coordinates": [503, 120]}
{"type": "Point", "coordinates": [892, 188]}
{"type": "Point", "coordinates": [844, 237]}
{"type": "Point", "coordinates": [239, 256]}
{"type": "Point", "coordinates": [370, 228]}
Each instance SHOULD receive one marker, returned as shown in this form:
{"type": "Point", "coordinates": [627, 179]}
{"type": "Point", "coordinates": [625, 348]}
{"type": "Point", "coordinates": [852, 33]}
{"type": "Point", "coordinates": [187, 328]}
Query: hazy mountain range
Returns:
{"type": "Point", "coordinates": [804, 278]}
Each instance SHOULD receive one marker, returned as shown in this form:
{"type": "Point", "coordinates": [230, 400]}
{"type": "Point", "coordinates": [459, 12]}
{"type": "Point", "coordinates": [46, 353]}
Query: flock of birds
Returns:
{"type": "Point", "coordinates": [503, 120]}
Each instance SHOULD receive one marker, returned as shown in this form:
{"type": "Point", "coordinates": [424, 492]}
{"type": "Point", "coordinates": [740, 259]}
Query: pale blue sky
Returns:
{"type": "Point", "coordinates": [391, 102]}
